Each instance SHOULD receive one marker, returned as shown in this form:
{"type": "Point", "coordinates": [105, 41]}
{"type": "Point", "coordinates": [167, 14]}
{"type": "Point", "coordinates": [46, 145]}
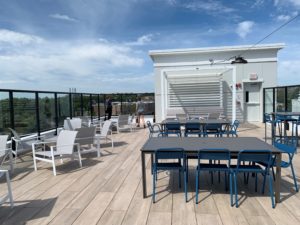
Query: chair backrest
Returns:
{"type": "Point", "coordinates": [150, 127]}
{"type": "Point", "coordinates": [105, 128]}
{"type": "Point", "coordinates": [15, 134]}
{"type": "Point", "coordinates": [85, 135]}
{"type": "Point", "coordinates": [267, 117]}
{"type": "Point", "coordinates": [192, 126]}
{"type": "Point", "coordinates": [68, 125]}
{"type": "Point", "coordinates": [257, 156]}
{"type": "Point", "coordinates": [235, 125]}
{"type": "Point", "coordinates": [3, 143]}
{"type": "Point", "coordinates": [169, 153]}
{"type": "Point", "coordinates": [65, 141]}
{"type": "Point", "coordinates": [76, 123]}
{"type": "Point", "coordinates": [214, 154]}
{"type": "Point", "coordinates": [123, 120]}
{"type": "Point", "coordinates": [211, 126]}
{"type": "Point", "coordinates": [172, 126]}
{"type": "Point", "coordinates": [290, 149]}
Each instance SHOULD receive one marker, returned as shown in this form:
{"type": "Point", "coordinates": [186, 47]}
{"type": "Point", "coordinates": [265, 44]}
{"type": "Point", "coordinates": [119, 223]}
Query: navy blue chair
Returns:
{"type": "Point", "coordinates": [212, 155]}
{"type": "Point", "coordinates": [172, 128]}
{"type": "Point", "coordinates": [215, 129]}
{"type": "Point", "coordinates": [193, 128]}
{"type": "Point", "coordinates": [289, 148]}
{"type": "Point", "coordinates": [154, 130]}
{"type": "Point", "coordinates": [248, 162]}
{"type": "Point", "coordinates": [164, 160]}
{"type": "Point", "coordinates": [233, 129]}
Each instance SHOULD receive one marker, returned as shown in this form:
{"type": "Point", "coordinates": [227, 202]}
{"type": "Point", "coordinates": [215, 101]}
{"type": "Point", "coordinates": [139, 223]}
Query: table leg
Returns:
{"type": "Point", "coordinates": [144, 174]}
{"type": "Point", "coordinates": [278, 178]}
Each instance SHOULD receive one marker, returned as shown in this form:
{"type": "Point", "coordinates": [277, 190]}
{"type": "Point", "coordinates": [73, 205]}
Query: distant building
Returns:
{"type": "Point", "coordinates": [188, 80]}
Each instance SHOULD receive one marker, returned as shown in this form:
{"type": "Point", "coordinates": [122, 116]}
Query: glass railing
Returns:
{"type": "Point", "coordinates": [282, 99]}
{"type": "Point", "coordinates": [36, 111]}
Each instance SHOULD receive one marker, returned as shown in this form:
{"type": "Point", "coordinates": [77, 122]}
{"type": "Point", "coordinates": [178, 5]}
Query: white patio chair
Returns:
{"type": "Point", "coordinates": [124, 123]}
{"type": "Point", "coordinates": [9, 192]}
{"type": "Point", "coordinates": [105, 131]}
{"type": "Point", "coordinates": [86, 137]}
{"type": "Point", "coordinates": [64, 148]}
{"type": "Point", "coordinates": [21, 144]}
{"type": "Point", "coordinates": [5, 152]}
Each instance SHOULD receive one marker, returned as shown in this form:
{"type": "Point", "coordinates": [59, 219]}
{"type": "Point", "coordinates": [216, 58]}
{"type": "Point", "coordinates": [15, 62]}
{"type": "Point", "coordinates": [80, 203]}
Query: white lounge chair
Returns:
{"type": "Point", "coordinates": [9, 192]}
{"type": "Point", "coordinates": [64, 148]}
{"type": "Point", "coordinates": [22, 145]}
{"type": "Point", "coordinates": [105, 131]}
{"type": "Point", "coordinates": [4, 152]}
{"type": "Point", "coordinates": [86, 137]}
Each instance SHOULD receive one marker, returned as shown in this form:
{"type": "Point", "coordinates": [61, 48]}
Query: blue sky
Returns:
{"type": "Point", "coordinates": [102, 45]}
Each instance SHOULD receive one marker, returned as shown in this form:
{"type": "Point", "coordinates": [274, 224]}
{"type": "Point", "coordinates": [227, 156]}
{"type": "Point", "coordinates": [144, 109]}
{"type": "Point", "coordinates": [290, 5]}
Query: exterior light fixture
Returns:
{"type": "Point", "coordinates": [239, 60]}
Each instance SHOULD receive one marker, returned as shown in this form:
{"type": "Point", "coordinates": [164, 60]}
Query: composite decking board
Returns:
{"type": "Point", "coordinates": [44, 199]}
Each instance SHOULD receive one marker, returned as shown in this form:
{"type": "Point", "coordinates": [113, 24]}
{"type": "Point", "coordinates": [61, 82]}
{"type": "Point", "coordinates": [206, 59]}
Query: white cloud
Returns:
{"type": "Point", "coordinates": [143, 40]}
{"type": "Point", "coordinates": [54, 65]}
{"type": "Point", "coordinates": [208, 6]}
{"type": "Point", "coordinates": [283, 18]}
{"type": "Point", "coordinates": [62, 17]}
{"type": "Point", "coordinates": [286, 3]}
{"type": "Point", "coordinates": [16, 38]}
{"type": "Point", "coordinates": [258, 3]}
{"type": "Point", "coordinates": [244, 28]}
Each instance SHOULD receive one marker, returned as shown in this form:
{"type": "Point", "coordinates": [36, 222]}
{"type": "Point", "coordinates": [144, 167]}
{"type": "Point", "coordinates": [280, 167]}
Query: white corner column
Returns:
{"type": "Point", "coordinates": [233, 94]}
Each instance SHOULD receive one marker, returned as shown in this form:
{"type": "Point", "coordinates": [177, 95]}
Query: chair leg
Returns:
{"type": "Point", "coordinates": [185, 185]}
{"type": "Point", "coordinates": [273, 173]}
{"type": "Point", "coordinates": [79, 159]}
{"type": "Point", "coordinates": [294, 177]}
{"type": "Point", "coordinates": [230, 187]}
{"type": "Point", "coordinates": [179, 178]}
{"type": "Point", "coordinates": [53, 165]}
{"type": "Point", "coordinates": [197, 185]}
{"type": "Point", "coordinates": [264, 184]}
{"type": "Point", "coordinates": [225, 176]}
{"type": "Point", "coordinates": [255, 182]}
{"type": "Point", "coordinates": [271, 191]}
{"type": "Point", "coordinates": [34, 163]}
{"type": "Point", "coordinates": [10, 196]}
{"type": "Point", "coordinates": [153, 190]}
{"type": "Point", "coordinates": [235, 190]}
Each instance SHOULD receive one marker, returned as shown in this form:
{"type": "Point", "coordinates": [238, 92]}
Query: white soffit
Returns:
{"type": "Point", "coordinates": [197, 72]}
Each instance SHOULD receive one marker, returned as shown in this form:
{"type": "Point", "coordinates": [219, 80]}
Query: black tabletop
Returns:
{"type": "Point", "coordinates": [192, 144]}
{"type": "Point", "coordinates": [286, 113]}
{"type": "Point", "coordinates": [200, 121]}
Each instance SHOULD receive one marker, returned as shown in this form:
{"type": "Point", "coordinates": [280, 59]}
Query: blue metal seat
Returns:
{"type": "Point", "coordinates": [289, 148]}
{"type": "Point", "coordinates": [232, 129]}
{"type": "Point", "coordinates": [162, 162]}
{"type": "Point", "coordinates": [248, 162]}
{"type": "Point", "coordinates": [193, 128]}
{"type": "Point", "coordinates": [215, 129]}
{"type": "Point", "coordinates": [172, 128]}
{"type": "Point", "coordinates": [212, 155]}
{"type": "Point", "coordinates": [154, 130]}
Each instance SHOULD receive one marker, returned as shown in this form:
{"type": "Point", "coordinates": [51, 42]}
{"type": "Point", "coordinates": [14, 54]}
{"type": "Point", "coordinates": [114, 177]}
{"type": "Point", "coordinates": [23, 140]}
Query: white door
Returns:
{"type": "Point", "coordinates": [252, 101]}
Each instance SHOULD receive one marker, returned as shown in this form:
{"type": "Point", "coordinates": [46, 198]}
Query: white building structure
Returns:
{"type": "Point", "coordinates": [191, 80]}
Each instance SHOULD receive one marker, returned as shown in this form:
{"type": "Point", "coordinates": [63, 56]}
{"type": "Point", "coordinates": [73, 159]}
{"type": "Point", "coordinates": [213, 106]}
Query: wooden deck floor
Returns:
{"type": "Point", "coordinates": [107, 190]}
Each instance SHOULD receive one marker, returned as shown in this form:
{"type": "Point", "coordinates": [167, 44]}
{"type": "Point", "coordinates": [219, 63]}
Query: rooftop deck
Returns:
{"type": "Point", "coordinates": [107, 190]}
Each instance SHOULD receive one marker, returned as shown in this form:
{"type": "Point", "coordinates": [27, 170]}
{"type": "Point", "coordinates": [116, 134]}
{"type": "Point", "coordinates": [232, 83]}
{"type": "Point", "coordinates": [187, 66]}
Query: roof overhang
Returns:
{"type": "Point", "coordinates": [189, 51]}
